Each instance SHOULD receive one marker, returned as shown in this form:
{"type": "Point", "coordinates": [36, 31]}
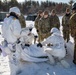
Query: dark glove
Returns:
{"type": "Point", "coordinates": [35, 36]}
{"type": "Point", "coordinates": [39, 45]}
{"type": "Point", "coordinates": [18, 41]}
{"type": "Point", "coordinates": [0, 50]}
{"type": "Point", "coordinates": [27, 45]}
{"type": "Point", "coordinates": [37, 30]}
{"type": "Point", "coordinates": [30, 29]}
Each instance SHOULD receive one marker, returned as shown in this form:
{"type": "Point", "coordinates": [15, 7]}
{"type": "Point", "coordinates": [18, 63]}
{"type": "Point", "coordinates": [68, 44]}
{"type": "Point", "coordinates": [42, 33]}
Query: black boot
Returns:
{"type": "Point", "coordinates": [39, 45]}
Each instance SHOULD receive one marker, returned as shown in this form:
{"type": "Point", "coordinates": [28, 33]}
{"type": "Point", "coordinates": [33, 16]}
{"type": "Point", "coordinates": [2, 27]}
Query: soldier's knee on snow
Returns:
{"type": "Point", "coordinates": [65, 64]}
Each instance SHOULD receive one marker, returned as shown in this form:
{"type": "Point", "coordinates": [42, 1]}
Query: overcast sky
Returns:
{"type": "Point", "coordinates": [65, 1]}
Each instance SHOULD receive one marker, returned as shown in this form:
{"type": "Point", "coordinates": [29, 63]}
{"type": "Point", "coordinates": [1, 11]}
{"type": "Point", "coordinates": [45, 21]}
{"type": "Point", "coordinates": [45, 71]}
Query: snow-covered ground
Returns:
{"type": "Point", "coordinates": [43, 68]}
{"type": "Point", "coordinates": [4, 62]}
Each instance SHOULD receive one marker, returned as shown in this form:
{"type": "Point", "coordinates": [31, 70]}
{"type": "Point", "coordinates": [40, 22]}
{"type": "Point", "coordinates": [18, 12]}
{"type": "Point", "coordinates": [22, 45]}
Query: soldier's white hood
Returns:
{"type": "Point", "coordinates": [55, 31]}
{"type": "Point", "coordinates": [15, 10]}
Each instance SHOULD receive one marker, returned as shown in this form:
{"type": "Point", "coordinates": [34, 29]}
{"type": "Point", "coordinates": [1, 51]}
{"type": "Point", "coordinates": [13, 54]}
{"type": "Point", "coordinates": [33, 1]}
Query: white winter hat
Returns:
{"type": "Point", "coordinates": [54, 30]}
{"type": "Point", "coordinates": [15, 10]}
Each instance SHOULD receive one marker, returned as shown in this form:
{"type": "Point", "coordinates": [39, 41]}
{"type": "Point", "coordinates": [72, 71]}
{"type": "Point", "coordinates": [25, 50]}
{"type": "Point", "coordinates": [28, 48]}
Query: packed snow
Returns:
{"type": "Point", "coordinates": [41, 68]}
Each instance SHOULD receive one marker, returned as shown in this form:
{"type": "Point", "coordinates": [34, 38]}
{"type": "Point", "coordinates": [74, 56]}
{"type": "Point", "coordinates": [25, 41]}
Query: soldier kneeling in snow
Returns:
{"type": "Point", "coordinates": [56, 49]}
{"type": "Point", "coordinates": [26, 37]}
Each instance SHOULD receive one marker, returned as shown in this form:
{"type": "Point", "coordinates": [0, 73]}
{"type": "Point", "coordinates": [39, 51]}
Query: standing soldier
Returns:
{"type": "Point", "coordinates": [22, 21]}
{"type": "Point", "coordinates": [73, 29]}
{"type": "Point", "coordinates": [44, 27]}
{"type": "Point", "coordinates": [39, 15]}
{"type": "Point", "coordinates": [54, 19]}
{"type": "Point", "coordinates": [11, 30]}
{"type": "Point", "coordinates": [65, 24]}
